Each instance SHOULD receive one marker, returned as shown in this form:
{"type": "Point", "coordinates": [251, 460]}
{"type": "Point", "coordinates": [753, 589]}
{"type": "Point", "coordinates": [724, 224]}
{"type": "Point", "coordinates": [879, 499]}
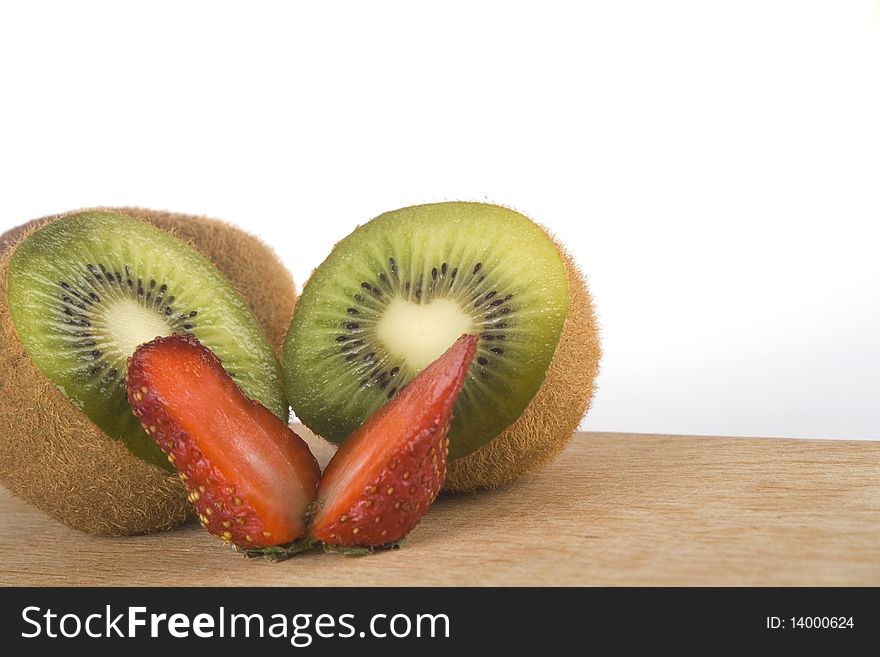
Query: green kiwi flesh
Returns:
{"type": "Point", "coordinates": [398, 291]}
{"type": "Point", "coordinates": [86, 290]}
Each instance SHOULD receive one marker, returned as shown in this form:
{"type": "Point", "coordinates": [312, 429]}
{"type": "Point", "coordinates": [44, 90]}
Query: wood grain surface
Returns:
{"type": "Point", "coordinates": [615, 509]}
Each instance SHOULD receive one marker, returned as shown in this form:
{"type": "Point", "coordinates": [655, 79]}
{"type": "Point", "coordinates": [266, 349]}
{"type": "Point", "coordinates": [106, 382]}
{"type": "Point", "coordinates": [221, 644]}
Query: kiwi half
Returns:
{"type": "Point", "coordinates": [76, 295]}
{"type": "Point", "coordinates": [398, 291]}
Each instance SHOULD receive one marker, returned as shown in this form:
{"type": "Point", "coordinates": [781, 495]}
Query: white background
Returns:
{"type": "Point", "coordinates": [714, 166]}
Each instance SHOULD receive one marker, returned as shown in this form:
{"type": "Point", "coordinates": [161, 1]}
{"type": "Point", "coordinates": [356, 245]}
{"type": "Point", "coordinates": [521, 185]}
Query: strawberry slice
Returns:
{"type": "Point", "coordinates": [250, 477]}
{"type": "Point", "coordinates": [389, 471]}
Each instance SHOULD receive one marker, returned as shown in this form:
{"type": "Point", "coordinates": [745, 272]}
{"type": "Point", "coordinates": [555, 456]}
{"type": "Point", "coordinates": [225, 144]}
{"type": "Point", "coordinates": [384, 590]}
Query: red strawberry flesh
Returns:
{"type": "Point", "coordinates": [250, 477]}
{"type": "Point", "coordinates": [390, 470]}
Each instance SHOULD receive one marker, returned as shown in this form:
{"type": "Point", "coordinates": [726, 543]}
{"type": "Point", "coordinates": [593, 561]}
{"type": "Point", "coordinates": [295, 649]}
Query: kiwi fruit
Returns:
{"type": "Point", "coordinates": [77, 294]}
{"type": "Point", "coordinates": [398, 291]}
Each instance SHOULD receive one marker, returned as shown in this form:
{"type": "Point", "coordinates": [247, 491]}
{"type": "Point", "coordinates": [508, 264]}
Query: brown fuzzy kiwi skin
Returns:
{"type": "Point", "coordinates": [553, 415]}
{"type": "Point", "coordinates": [53, 456]}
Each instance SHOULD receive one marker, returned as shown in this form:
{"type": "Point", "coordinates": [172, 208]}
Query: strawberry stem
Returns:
{"type": "Point", "coordinates": [359, 551]}
{"type": "Point", "coordinates": [278, 553]}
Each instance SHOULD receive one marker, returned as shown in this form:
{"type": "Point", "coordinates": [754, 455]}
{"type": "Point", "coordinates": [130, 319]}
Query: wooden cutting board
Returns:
{"type": "Point", "coordinates": [615, 509]}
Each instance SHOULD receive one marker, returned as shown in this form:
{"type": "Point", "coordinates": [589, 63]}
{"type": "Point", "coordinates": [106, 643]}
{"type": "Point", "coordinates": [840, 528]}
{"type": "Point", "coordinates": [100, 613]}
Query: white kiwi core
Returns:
{"type": "Point", "coordinates": [420, 333]}
{"type": "Point", "coordinates": [128, 325]}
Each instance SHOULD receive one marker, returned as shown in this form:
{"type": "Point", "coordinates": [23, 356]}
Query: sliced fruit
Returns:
{"type": "Point", "coordinates": [56, 457]}
{"type": "Point", "coordinates": [398, 291]}
{"type": "Point", "coordinates": [389, 471]}
{"type": "Point", "coordinates": [250, 477]}
{"type": "Point", "coordinates": [87, 289]}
